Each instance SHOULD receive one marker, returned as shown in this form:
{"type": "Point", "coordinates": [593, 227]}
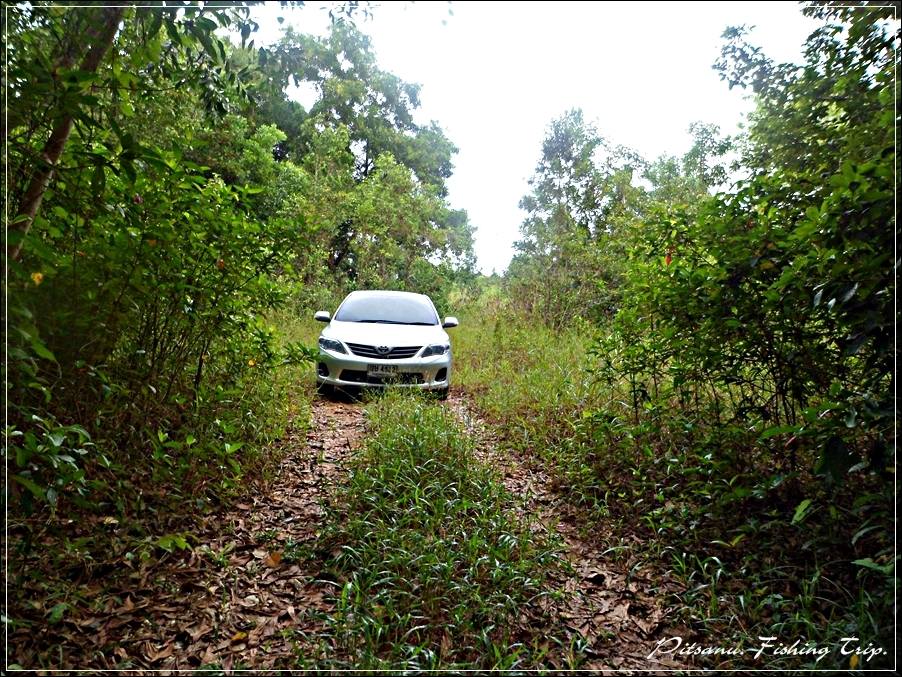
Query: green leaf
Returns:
{"type": "Point", "coordinates": [232, 447]}
{"type": "Point", "coordinates": [23, 454]}
{"type": "Point", "coordinates": [868, 563]}
{"type": "Point", "coordinates": [835, 460]}
{"type": "Point", "coordinates": [170, 542]}
{"type": "Point", "coordinates": [155, 24]}
{"type": "Point", "coordinates": [778, 430]}
{"type": "Point", "coordinates": [801, 511]}
{"type": "Point", "coordinates": [29, 484]}
{"type": "Point", "coordinates": [57, 613]}
{"type": "Point", "coordinates": [41, 350]}
{"type": "Point", "coordinates": [861, 532]}
{"type": "Point", "coordinates": [173, 32]}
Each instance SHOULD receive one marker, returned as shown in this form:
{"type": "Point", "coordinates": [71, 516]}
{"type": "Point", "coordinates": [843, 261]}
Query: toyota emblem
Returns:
{"type": "Point", "coordinates": [383, 350]}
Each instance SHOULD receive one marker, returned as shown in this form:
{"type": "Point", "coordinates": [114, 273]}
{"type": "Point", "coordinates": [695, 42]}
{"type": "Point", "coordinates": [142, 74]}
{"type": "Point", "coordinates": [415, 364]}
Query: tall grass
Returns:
{"type": "Point", "coordinates": [760, 551]}
{"type": "Point", "coordinates": [526, 377]}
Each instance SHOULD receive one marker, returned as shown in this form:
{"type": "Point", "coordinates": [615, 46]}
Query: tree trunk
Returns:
{"type": "Point", "coordinates": [100, 37]}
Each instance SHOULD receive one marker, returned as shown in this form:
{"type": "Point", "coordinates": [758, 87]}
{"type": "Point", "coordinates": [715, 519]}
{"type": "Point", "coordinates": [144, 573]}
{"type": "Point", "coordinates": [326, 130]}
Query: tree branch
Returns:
{"type": "Point", "coordinates": [100, 35]}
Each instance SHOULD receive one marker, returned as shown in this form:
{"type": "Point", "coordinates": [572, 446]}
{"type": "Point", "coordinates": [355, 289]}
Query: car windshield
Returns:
{"type": "Point", "coordinates": [387, 309]}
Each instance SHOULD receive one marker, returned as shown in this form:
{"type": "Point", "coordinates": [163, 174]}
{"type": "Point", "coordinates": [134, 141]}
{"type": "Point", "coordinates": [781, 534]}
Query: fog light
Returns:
{"type": "Point", "coordinates": [442, 374]}
{"type": "Point", "coordinates": [322, 369]}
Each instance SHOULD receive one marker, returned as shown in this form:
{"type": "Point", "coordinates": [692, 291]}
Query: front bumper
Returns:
{"type": "Point", "coordinates": [350, 371]}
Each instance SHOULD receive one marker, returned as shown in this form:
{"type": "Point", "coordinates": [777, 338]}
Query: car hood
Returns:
{"type": "Point", "coordinates": [391, 335]}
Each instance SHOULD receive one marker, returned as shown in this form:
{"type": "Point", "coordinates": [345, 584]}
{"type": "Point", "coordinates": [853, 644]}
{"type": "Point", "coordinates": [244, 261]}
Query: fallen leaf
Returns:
{"type": "Point", "coordinates": [119, 622]}
{"type": "Point", "coordinates": [154, 655]}
{"type": "Point", "coordinates": [199, 631]}
{"type": "Point", "coordinates": [239, 636]}
{"type": "Point", "coordinates": [273, 559]}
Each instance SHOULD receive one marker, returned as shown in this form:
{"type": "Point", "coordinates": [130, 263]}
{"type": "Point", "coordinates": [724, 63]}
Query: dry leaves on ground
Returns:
{"type": "Point", "coordinates": [241, 596]}
{"type": "Point", "coordinates": [617, 614]}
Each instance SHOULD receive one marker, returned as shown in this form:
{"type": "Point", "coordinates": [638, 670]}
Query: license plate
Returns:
{"type": "Point", "coordinates": [381, 369]}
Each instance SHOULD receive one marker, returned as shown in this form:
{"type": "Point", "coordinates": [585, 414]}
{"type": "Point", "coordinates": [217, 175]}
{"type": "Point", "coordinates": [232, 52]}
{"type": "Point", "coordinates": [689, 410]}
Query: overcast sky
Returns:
{"type": "Point", "coordinates": [494, 75]}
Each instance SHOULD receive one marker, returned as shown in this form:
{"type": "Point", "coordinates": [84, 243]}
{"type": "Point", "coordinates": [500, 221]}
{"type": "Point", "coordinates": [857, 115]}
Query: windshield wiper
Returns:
{"type": "Point", "coordinates": [421, 324]}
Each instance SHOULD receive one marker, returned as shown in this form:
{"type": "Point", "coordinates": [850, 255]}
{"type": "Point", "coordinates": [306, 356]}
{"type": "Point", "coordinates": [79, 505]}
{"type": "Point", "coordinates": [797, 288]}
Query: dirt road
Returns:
{"type": "Point", "coordinates": [249, 593]}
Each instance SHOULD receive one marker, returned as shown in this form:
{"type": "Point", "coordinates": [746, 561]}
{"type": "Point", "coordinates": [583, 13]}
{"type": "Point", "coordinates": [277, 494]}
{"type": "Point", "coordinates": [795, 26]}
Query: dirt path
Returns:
{"type": "Point", "coordinates": [614, 615]}
{"type": "Point", "coordinates": [241, 598]}
{"type": "Point", "coordinates": [249, 594]}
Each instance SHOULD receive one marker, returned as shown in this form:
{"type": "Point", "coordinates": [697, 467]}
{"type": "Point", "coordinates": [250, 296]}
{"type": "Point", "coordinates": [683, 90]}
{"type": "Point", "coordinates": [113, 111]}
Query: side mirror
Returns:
{"type": "Point", "coordinates": [450, 322]}
{"type": "Point", "coordinates": [322, 316]}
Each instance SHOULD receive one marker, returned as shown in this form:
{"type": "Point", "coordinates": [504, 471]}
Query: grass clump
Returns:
{"type": "Point", "coordinates": [526, 377]}
{"type": "Point", "coordinates": [432, 570]}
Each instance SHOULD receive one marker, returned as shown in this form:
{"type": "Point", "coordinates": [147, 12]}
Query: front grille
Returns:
{"type": "Point", "coordinates": [359, 376]}
{"type": "Point", "coordinates": [398, 353]}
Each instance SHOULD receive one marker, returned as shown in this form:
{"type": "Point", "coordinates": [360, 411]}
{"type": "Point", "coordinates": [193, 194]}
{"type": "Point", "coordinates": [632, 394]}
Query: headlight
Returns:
{"type": "Point", "coordinates": [437, 349]}
{"type": "Point", "coordinates": [332, 344]}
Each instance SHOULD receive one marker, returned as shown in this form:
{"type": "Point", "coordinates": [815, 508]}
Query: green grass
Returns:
{"type": "Point", "coordinates": [693, 499]}
{"type": "Point", "coordinates": [431, 570]}
{"type": "Point", "coordinates": [527, 378]}
{"type": "Point", "coordinates": [297, 325]}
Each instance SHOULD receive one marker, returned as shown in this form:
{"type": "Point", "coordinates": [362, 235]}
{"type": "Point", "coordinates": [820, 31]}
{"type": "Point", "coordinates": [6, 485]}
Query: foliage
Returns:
{"type": "Point", "coordinates": [529, 379]}
{"type": "Point", "coordinates": [375, 106]}
{"type": "Point", "coordinates": [742, 416]}
{"type": "Point", "coordinates": [585, 209]}
{"type": "Point", "coordinates": [710, 373]}
{"type": "Point", "coordinates": [774, 300]}
{"type": "Point", "coordinates": [161, 220]}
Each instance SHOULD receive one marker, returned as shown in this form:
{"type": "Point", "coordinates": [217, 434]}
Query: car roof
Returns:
{"type": "Point", "coordinates": [385, 292]}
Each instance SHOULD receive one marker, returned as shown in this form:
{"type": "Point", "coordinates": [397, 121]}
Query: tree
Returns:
{"type": "Point", "coordinates": [376, 107]}
{"type": "Point", "coordinates": [86, 40]}
{"type": "Point", "coordinates": [776, 295]}
{"type": "Point", "coordinates": [579, 212]}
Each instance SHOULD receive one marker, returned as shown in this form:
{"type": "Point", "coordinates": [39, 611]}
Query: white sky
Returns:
{"type": "Point", "coordinates": [494, 75]}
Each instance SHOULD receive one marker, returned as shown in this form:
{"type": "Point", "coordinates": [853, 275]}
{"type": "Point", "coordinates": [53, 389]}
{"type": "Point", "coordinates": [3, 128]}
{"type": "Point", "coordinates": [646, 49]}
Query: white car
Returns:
{"type": "Point", "coordinates": [379, 338]}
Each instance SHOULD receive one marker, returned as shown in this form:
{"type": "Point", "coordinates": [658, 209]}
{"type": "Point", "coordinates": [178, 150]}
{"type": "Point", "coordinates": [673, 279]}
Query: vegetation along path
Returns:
{"type": "Point", "coordinates": [610, 616]}
{"type": "Point", "coordinates": [240, 593]}
{"type": "Point", "coordinates": [675, 413]}
{"type": "Point", "coordinates": [261, 584]}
